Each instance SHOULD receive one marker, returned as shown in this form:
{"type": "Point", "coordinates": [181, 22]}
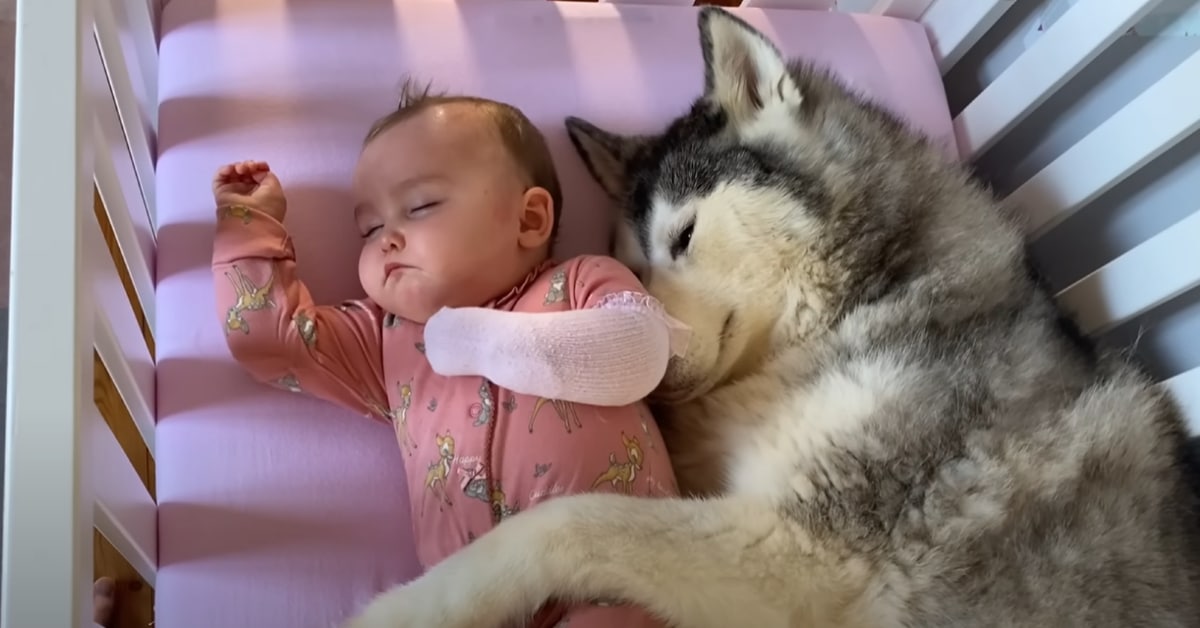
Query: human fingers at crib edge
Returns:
{"type": "Point", "coordinates": [250, 183]}
{"type": "Point", "coordinates": [104, 599]}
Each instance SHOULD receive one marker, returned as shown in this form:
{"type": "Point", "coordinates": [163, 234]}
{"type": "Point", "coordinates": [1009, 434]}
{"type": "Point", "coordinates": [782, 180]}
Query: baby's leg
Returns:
{"type": "Point", "coordinates": [589, 449]}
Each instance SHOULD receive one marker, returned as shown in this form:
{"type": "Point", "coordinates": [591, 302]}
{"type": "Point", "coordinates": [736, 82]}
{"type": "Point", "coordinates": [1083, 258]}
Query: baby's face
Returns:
{"type": "Point", "coordinates": [438, 203]}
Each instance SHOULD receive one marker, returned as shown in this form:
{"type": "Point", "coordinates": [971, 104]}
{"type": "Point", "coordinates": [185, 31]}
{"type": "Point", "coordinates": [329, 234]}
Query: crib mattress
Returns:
{"type": "Point", "coordinates": [278, 510]}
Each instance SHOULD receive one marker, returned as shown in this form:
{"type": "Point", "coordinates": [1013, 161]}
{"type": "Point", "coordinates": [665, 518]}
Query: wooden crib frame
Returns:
{"type": "Point", "coordinates": [79, 483]}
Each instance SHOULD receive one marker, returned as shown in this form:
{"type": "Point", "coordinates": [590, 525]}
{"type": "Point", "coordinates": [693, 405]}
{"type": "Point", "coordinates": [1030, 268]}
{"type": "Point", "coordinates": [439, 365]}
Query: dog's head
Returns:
{"type": "Point", "coordinates": [745, 216]}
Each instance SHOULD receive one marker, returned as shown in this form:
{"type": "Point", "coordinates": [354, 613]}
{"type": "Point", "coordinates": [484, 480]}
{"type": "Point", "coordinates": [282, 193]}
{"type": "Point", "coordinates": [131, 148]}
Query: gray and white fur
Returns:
{"type": "Point", "coordinates": [882, 419]}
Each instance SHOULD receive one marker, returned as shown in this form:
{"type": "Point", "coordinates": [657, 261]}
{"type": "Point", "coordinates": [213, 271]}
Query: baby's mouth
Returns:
{"type": "Point", "coordinates": [393, 268]}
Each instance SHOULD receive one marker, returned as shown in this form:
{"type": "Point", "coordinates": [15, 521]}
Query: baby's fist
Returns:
{"type": "Point", "coordinates": [250, 183]}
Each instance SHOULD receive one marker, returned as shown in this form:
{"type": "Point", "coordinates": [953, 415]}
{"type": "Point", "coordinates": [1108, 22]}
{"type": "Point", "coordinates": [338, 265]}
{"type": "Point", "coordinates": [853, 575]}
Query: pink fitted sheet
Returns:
{"type": "Point", "coordinates": [277, 510]}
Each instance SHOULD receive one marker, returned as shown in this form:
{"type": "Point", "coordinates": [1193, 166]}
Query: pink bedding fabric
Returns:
{"type": "Point", "coordinates": [277, 510]}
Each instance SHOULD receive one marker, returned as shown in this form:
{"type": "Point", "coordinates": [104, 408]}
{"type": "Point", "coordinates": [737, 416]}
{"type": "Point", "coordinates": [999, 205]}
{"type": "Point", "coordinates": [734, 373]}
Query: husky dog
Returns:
{"type": "Point", "coordinates": [882, 419]}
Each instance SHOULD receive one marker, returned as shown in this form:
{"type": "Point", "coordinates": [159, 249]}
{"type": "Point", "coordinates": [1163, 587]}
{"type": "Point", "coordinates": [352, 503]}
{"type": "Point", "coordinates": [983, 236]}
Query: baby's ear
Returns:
{"type": "Point", "coordinates": [537, 218]}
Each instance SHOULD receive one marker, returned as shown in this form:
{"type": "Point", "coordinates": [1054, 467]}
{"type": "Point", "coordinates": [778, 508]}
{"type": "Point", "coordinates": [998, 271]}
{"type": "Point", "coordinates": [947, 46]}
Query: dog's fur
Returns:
{"type": "Point", "coordinates": [882, 418]}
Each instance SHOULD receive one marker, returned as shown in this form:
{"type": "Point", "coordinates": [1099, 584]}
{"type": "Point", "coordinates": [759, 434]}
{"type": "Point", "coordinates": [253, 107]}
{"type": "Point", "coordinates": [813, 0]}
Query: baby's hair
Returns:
{"type": "Point", "coordinates": [523, 141]}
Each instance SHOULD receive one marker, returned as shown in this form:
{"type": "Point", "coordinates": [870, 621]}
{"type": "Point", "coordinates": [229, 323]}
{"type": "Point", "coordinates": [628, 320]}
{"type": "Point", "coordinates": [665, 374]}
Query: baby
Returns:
{"type": "Point", "coordinates": [509, 377]}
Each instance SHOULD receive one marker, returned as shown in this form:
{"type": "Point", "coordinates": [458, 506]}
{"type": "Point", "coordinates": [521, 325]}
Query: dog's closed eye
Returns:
{"type": "Point", "coordinates": [683, 240]}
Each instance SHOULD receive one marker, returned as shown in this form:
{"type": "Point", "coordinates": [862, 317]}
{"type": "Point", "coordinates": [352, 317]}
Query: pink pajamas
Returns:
{"type": "Point", "coordinates": [474, 452]}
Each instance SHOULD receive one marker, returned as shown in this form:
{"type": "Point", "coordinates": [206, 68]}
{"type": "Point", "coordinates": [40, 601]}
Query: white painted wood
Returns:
{"type": "Point", "coordinates": [115, 193]}
{"type": "Point", "coordinates": [121, 86]}
{"type": "Point", "coordinates": [1074, 40]}
{"type": "Point", "coordinates": [1152, 273]}
{"type": "Point", "coordinates": [155, 7]}
{"type": "Point", "coordinates": [47, 558]}
{"type": "Point", "coordinates": [127, 384]}
{"type": "Point", "coordinates": [135, 23]}
{"type": "Point", "coordinates": [956, 25]}
{"type": "Point", "coordinates": [118, 337]}
{"type": "Point", "coordinates": [111, 143]}
{"type": "Point", "coordinates": [1186, 389]}
{"type": "Point", "coordinates": [123, 510]}
{"type": "Point", "coordinates": [853, 6]}
{"type": "Point", "coordinates": [687, 3]}
{"type": "Point", "coordinates": [812, 5]}
{"type": "Point", "coordinates": [1150, 124]}
{"type": "Point", "coordinates": [904, 9]}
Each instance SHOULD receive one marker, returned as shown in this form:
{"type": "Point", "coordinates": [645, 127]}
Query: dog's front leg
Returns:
{"type": "Point", "coordinates": [697, 564]}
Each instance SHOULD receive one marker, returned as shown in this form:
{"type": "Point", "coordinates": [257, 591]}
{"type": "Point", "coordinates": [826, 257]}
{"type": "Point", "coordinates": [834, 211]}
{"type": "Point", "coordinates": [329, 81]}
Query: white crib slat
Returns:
{"type": "Point", "coordinates": [813, 5]}
{"type": "Point", "coordinates": [905, 9]}
{"type": "Point", "coordinates": [1186, 389]}
{"type": "Point", "coordinates": [1151, 123]}
{"type": "Point", "coordinates": [116, 196]}
{"type": "Point", "coordinates": [107, 38]}
{"type": "Point", "coordinates": [1154, 272]}
{"type": "Point", "coordinates": [676, 3]}
{"type": "Point", "coordinates": [118, 338]}
{"type": "Point", "coordinates": [854, 6]}
{"type": "Point", "coordinates": [1082, 33]}
{"type": "Point", "coordinates": [115, 153]}
{"type": "Point", "coordinates": [129, 386]}
{"type": "Point", "coordinates": [954, 26]}
{"type": "Point", "coordinates": [155, 9]}
{"type": "Point", "coordinates": [124, 511]}
{"type": "Point", "coordinates": [47, 558]}
{"type": "Point", "coordinates": [136, 24]}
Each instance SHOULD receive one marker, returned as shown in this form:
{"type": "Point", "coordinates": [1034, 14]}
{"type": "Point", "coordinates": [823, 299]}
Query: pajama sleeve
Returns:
{"type": "Point", "coordinates": [276, 332]}
{"type": "Point", "coordinates": [610, 349]}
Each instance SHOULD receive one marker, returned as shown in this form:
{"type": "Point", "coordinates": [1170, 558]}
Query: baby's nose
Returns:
{"type": "Point", "coordinates": [393, 239]}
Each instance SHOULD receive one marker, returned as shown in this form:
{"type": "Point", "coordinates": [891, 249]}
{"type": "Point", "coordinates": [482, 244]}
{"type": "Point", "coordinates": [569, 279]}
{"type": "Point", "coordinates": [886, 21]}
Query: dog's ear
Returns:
{"type": "Point", "coordinates": [744, 73]}
{"type": "Point", "coordinates": [605, 154]}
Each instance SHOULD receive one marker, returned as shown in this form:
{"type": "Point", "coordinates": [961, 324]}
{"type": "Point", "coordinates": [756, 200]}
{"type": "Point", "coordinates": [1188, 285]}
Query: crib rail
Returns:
{"type": "Point", "coordinates": [1186, 388]}
{"type": "Point", "coordinates": [1154, 272]}
{"type": "Point", "coordinates": [1081, 34]}
{"type": "Point", "coordinates": [954, 27]}
{"type": "Point", "coordinates": [79, 483]}
{"type": "Point", "coordinates": [1071, 184]}
{"type": "Point", "coordinates": [79, 489]}
{"type": "Point", "coordinates": [1148, 126]}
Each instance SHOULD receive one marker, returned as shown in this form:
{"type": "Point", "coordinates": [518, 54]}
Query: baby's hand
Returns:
{"type": "Point", "coordinates": [250, 183]}
{"type": "Point", "coordinates": [454, 340]}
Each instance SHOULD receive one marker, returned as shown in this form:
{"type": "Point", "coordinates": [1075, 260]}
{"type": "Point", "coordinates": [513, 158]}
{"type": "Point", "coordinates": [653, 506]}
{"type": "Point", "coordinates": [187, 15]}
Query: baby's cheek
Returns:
{"type": "Point", "coordinates": [364, 268]}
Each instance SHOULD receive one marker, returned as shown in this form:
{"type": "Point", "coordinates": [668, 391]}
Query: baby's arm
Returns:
{"type": "Point", "coordinates": [611, 349]}
{"type": "Point", "coordinates": [271, 325]}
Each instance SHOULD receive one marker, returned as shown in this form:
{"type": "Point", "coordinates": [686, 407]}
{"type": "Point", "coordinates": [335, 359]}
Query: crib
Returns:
{"type": "Point", "coordinates": [135, 448]}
